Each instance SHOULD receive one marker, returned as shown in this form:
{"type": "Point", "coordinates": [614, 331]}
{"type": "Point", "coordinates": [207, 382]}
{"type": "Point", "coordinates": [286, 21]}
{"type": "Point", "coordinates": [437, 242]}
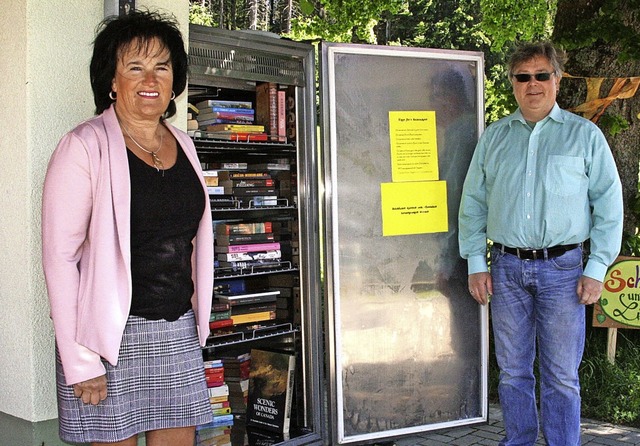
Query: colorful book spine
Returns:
{"type": "Point", "coordinates": [251, 247]}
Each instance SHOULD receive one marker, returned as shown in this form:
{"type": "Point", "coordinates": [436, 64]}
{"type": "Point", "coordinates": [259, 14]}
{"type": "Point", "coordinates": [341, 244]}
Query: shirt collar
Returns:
{"type": "Point", "coordinates": [555, 114]}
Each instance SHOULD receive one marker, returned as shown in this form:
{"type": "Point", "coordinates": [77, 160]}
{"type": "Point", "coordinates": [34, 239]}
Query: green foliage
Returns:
{"type": "Point", "coordinates": [613, 124]}
{"type": "Point", "coordinates": [507, 21]}
{"type": "Point", "coordinates": [343, 20]}
{"type": "Point", "coordinates": [608, 26]}
{"type": "Point", "coordinates": [631, 242]}
{"type": "Point", "coordinates": [200, 15]}
{"type": "Point", "coordinates": [499, 101]}
{"type": "Point", "coordinates": [611, 392]}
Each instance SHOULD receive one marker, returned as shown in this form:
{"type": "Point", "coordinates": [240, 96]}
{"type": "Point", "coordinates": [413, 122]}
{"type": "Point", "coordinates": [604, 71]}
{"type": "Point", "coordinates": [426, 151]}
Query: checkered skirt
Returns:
{"type": "Point", "coordinates": [157, 384]}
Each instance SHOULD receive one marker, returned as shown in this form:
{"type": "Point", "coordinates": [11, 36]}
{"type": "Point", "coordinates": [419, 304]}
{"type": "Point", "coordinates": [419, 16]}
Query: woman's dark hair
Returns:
{"type": "Point", "coordinates": [136, 28]}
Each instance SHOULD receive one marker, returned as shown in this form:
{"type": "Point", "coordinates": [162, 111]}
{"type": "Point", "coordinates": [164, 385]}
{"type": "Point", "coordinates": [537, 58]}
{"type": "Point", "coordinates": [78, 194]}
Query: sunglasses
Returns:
{"type": "Point", "coordinates": [527, 77]}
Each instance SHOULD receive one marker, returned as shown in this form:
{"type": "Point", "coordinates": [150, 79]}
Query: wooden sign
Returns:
{"type": "Point", "coordinates": [619, 306]}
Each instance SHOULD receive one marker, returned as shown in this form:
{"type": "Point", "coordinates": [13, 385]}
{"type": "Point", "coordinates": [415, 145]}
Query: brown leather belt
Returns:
{"type": "Point", "coordinates": [535, 254]}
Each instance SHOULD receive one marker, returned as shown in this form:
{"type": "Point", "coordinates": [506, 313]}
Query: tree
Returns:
{"type": "Point", "coordinates": [602, 39]}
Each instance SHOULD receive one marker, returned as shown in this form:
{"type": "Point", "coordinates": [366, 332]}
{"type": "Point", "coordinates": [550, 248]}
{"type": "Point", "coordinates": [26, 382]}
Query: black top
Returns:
{"type": "Point", "coordinates": [166, 208]}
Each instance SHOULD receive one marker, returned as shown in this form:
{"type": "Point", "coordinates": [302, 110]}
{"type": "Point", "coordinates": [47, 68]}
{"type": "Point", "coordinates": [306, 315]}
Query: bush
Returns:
{"type": "Point", "coordinates": [611, 392]}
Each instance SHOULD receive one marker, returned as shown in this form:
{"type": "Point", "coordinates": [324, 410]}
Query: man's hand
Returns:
{"type": "Point", "coordinates": [480, 287]}
{"type": "Point", "coordinates": [589, 290]}
{"type": "Point", "coordinates": [91, 391]}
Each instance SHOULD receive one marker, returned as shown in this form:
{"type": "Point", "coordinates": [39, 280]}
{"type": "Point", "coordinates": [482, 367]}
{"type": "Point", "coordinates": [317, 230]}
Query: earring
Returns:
{"type": "Point", "coordinates": [173, 95]}
{"type": "Point", "coordinates": [112, 95]}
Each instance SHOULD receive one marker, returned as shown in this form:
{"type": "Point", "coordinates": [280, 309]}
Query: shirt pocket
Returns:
{"type": "Point", "coordinates": [565, 175]}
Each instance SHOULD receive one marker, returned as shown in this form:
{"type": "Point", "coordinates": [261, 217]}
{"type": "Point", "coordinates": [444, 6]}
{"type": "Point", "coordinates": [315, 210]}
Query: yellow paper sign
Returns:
{"type": "Point", "coordinates": [414, 148]}
{"type": "Point", "coordinates": [417, 207]}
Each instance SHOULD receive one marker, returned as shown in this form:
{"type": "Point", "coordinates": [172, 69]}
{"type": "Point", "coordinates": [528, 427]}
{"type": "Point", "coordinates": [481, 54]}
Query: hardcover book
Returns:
{"type": "Point", "coordinates": [248, 298]}
{"type": "Point", "coordinates": [242, 239]}
{"type": "Point", "coordinates": [271, 378]}
{"type": "Point", "coordinates": [267, 107]}
{"type": "Point", "coordinates": [244, 228]}
{"type": "Point", "coordinates": [222, 103]}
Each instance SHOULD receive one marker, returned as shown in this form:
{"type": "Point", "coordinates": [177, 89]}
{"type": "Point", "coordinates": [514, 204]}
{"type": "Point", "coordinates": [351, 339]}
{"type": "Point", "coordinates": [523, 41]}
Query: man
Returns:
{"type": "Point", "coordinates": [541, 182]}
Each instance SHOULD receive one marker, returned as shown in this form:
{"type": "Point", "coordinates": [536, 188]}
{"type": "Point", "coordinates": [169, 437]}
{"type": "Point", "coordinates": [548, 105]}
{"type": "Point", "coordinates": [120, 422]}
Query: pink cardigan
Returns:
{"type": "Point", "coordinates": [86, 247]}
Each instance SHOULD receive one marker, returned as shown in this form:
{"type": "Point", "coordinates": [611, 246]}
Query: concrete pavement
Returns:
{"type": "Point", "coordinates": [594, 433]}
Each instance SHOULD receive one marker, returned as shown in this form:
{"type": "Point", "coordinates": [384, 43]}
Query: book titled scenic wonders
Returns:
{"type": "Point", "coordinates": [271, 377]}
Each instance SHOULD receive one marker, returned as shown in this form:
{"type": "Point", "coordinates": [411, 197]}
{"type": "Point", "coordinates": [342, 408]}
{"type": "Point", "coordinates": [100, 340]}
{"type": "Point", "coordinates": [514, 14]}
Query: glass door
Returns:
{"type": "Point", "coordinates": [406, 344]}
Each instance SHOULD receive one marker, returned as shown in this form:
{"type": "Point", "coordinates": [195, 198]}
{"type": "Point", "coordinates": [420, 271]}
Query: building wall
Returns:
{"type": "Point", "coordinates": [45, 91]}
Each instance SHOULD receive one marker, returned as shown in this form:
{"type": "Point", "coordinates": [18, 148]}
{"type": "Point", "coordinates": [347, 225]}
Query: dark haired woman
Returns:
{"type": "Point", "coordinates": [128, 249]}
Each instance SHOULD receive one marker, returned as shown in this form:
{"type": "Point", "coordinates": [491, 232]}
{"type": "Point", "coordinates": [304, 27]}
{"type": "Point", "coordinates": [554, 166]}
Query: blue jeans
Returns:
{"type": "Point", "coordinates": [536, 300]}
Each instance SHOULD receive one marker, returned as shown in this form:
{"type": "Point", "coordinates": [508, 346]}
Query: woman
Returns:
{"type": "Point", "coordinates": [128, 249]}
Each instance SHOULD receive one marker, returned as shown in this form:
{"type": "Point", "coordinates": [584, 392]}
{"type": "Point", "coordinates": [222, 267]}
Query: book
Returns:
{"type": "Point", "coordinates": [219, 315]}
{"type": "Point", "coordinates": [272, 166]}
{"type": "Point", "coordinates": [215, 190]}
{"type": "Point", "coordinates": [245, 191]}
{"type": "Point", "coordinates": [222, 117]}
{"type": "Point", "coordinates": [248, 298]}
{"type": "Point", "coordinates": [271, 254]}
{"type": "Point", "coordinates": [229, 165]}
{"type": "Point", "coordinates": [250, 318]}
{"type": "Point", "coordinates": [219, 391]}
{"type": "Point", "coordinates": [235, 239]}
{"type": "Point", "coordinates": [222, 103]}
{"type": "Point", "coordinates": [231, 286]}
{"type": "Point", "coordinates": [243, 228]}
{"type": "Point", "coordinates": [248, 183]}
{"type": "Point", "coordinates": [221, 323]}
{"type": "Point", "coordinates": [255, 307]}
{"type": "Point", "coordinates": [215, 108]}
{"type": "Point", "coordinates": [220, 306]}
{"type": "Point", "coordinates": [271, 379]}
{"type": "Point", "coordinates": [259, 437]}
{"type": "Point", "coordinates": [235, 175]}
{"type": "Point", "coordinates": [211, 177]}
{"type": "Point", "coordinates": [267, 108]}
{"type": "Point", "coordinates": [235, 128]}
{"type": "Point", "coordinates": [247, 247]}
{"type": "Point", "coordinates": [192, 124]}
{"type": "Point", "coordinates": [282, 116]}
{"type": "Point", "coordinates": [239, 136]}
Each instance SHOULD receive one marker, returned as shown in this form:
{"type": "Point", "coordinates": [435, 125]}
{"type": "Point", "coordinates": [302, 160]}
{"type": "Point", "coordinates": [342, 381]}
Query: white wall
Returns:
{"type": "Point", "coordinates": [45, 91]}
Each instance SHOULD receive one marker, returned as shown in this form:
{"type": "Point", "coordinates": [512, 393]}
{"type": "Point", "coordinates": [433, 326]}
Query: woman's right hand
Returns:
{"type": "Point", "coordinates": [91, 391]}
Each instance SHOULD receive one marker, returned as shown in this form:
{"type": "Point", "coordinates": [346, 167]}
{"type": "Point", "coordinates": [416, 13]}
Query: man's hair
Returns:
{"type": "Point", "coordinates": [527, 51]}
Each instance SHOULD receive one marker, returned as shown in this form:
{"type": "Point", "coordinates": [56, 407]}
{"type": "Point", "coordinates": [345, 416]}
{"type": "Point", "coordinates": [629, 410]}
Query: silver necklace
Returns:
{"type": "Point", "coordinates": [157, 163]}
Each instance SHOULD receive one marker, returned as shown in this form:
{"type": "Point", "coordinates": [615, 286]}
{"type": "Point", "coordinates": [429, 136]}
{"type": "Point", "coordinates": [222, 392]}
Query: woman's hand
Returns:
{"type": "Point", "coordinates": [91, 391]}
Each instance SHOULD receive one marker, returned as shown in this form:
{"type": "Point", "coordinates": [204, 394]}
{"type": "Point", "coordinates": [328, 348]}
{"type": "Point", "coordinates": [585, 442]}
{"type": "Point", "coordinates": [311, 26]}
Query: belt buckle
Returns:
{"type": "Point", "coordinates": [534, 254]}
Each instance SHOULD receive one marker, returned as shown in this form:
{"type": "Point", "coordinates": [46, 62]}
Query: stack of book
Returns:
{"type": "Point", "coordinates": [246, 245]}
{"type": "Point", "coordinates": [250, 189]}
{"type": "Point", "coordinates": [216, 111]}
{"type": "Point", "coordinates": [218, 432]}
{"type": "Point", "coordinates": [271, 110]}
{"type": "Point", "coordinates": [250, 308]}
{"type": "Point", "coordinates": [229, 120]}
{"type": "Point", "coordinates": [210, 435]}
{"type": "Point", "coordinates": [236, 373]}
{"type": "Point", "coordinates": [236, 132]}
{"type": "Point", "coordinates": [220, 321]}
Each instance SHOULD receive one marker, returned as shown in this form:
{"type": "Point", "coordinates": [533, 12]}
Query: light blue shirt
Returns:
{"type": "Point", "coordinates": [553, 184]}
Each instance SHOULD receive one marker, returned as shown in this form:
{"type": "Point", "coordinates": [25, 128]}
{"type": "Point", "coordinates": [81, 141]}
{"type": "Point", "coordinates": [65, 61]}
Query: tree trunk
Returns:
{"type": "Point", "coordinates": [600, 59]}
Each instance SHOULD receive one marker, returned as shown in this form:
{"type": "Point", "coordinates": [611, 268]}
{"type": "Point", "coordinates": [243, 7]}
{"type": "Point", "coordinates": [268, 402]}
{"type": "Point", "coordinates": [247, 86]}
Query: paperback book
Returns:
{"type": "Point", "coordinates": [271, 377]}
